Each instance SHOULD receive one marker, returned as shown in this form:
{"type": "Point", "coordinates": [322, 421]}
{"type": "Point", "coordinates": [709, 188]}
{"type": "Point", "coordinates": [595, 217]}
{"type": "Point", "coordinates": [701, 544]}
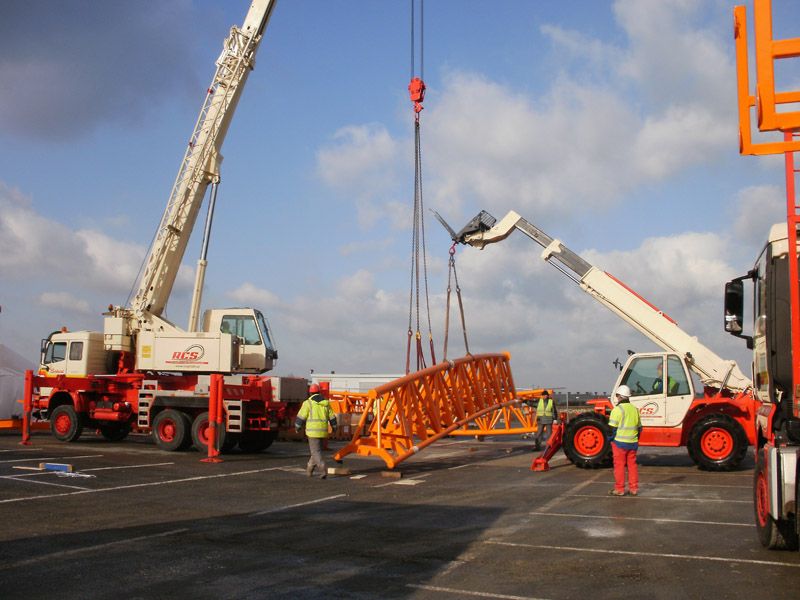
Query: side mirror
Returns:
{"type": "Point", "coordinates": [734, 306]}
{"type": "Point", "coordinates": [734, 309]}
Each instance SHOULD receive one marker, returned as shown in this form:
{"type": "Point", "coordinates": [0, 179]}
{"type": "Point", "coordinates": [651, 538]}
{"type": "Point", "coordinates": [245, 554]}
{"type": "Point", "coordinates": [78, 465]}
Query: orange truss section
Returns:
{"type": "Point", "coordinates": [473, 395]}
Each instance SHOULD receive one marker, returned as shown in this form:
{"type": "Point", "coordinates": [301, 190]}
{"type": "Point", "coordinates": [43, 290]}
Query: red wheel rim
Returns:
{"type": "Point", "coordinates": [63, 424]}
{"type": "Point", "coordinates": [762, 500]}
{"type": "Point", "coordinates": [717, 443]}
{"type": "Point", "coordinates": [167, 430]}
{"type": "Point", "coordinates": [202, 432]}
{"type": "Point", "coordinates": [589, 440]}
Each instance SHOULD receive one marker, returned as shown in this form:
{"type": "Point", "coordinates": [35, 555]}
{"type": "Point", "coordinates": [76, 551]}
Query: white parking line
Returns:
{"type": "Point", "coordinates": [681, 499]}
{"type": "Point", "coordinates": [51, 458]}
{"type": "Point", "coordinates": [655, 520]}
{"type": "Point", "coordinates": [129, 467]}
{"type": "Point", "coordinates": [291, 506]}
{"type": "Point", "coordinates": [140, 485]}
{"type": "Point", "coordinates": [18, 478]}
{"type": "Point", "coordinates": [56, 555]}
{"type": "Point", "coordinates": [436, 588]}
{"type": "Point", "coordinates": [653, 554]}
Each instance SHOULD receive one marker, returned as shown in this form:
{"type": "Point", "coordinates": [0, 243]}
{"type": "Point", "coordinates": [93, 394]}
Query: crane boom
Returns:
{"type": "Point", "coordinates": [646, 318]}
{"type": "Point", "coordinates": [200, 165]}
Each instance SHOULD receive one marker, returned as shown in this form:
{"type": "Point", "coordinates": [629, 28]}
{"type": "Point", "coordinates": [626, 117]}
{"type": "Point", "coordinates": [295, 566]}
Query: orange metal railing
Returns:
{"type": "Point", "coordinates": [473, 395]}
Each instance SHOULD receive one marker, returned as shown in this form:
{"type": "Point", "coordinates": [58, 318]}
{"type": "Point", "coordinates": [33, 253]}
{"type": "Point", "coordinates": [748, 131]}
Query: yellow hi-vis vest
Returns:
{"type": "Point", "coordinates": [545, 410]}
{"type": "Point", "coordinates": [625, 417]}
{"type": "Point", "coordinates": [316, 415]}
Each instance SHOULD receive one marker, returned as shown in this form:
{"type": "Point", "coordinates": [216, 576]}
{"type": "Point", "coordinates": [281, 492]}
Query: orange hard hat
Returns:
{"type": "Point", "coordinates": [313, 388]}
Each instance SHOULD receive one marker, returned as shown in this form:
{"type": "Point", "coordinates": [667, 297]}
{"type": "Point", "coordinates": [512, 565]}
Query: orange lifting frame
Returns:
{"type": "Point", "coordinates": [766, 100]}
{"type": "Point", "coordinates": [473, 395]}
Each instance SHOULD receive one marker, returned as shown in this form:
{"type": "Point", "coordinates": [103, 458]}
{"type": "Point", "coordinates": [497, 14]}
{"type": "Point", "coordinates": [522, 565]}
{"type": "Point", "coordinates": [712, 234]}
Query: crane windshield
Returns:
{"type": "Point", "coordinates": [266, 332]}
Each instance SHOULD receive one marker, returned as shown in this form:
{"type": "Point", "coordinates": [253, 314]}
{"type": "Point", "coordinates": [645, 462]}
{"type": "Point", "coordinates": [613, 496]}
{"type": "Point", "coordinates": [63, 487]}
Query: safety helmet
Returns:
{"type": "Point", "coordinates": [624, 391]}
{"type": "Point", "coordinates": [313, 389]}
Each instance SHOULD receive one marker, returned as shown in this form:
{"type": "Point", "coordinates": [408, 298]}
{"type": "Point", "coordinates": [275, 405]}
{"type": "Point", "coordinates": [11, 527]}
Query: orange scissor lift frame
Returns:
{"type": "Point", "coordinates": [469, 396]}
{"type": "Point", "coordinates": [767, 101]}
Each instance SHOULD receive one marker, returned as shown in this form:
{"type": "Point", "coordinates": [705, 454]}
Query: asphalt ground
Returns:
{"type": "Point", "coordinates": [467, 519]}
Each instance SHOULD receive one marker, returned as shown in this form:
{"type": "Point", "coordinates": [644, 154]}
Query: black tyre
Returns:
{"type": "Point", "coordinates": [115, 432]}
{"type": "Point", "coordinates": [775, 535]}
{"type": "Point", "coordinates": [717, 443]}
{"type": "Point", "coordinates": [171, 430]}
{"type": "Point", "coordinates": [65, 424]}
{"type": "Point", "coordinates": [257, 441]}
{"type": "Point", "coordinates": [586, 441]}
{"type": "Point", "coordinates": [201, 431]}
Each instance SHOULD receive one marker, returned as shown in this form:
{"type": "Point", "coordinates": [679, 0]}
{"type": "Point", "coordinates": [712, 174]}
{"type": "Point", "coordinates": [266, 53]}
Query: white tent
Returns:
{"type": "Point", "coordinates": [12, 371]}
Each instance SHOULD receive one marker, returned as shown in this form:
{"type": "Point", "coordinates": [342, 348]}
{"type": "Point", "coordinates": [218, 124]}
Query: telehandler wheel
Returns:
{"type": "Point", "coordinates": [115, 432]}
{"type": "Point", "coordinates": [201, 431]}
{"type": "Point", "coordinates": [65, 424]}
{"type": "Point", "coordinates": [256, 441]}
{"type": "Point", "coordinates": [586, 441]}
{"type": "Point", "coordinates": [717, 443]}
{"type": "Point", "coordinates": [171, 430]}
{"type": "Point", "coordinates": [775, 535]}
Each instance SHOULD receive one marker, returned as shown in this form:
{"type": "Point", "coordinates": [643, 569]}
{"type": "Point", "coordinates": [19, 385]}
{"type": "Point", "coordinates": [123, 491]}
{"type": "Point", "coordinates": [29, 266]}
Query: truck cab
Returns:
{"type": "Point", "coordinates": [73, 354]}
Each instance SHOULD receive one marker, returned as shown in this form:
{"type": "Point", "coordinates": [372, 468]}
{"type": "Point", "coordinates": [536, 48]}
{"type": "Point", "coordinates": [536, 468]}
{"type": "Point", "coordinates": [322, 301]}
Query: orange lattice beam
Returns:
{"type": "Point", "coordinates": [473, 395]}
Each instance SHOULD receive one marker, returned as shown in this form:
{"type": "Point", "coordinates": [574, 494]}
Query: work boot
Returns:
{"type": "Point", "coordinates": [634, 492]}
{"type": "Point", "coordinates": [309, 470]}
{"type": "Point", "coordinates": [615, 492]}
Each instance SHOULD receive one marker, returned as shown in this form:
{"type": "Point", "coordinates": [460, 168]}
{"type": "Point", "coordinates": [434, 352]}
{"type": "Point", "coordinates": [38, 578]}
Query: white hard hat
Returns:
{"type": "Point", "coordinates": [624, 391]}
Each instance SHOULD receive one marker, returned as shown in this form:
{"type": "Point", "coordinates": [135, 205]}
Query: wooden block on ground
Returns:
{"type": "Point", "coordinates": [338, 471]}
{"type": "Point", "coordinates": [391, 474]}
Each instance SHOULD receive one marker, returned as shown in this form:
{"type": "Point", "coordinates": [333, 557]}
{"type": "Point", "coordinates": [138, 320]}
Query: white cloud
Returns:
{"type": "Point", "coordinates": [249, 295]}
{"type": "Point", "coordinates": [758, 208]}
{"type": "Point", "coordinates": [64, 301]}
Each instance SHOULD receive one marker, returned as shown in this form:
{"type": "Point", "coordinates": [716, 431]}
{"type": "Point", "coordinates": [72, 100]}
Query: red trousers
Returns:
{"type": "Point", "coordinates": [622, 459]}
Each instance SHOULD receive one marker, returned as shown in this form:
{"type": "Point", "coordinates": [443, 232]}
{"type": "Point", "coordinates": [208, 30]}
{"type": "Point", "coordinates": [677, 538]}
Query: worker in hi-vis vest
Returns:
{"type": "Point", "coordinates": [316, 413]}
{"type": "Point", "coordinates": [626, 424]}
{"type": "Point", "coordinates": [658, 383]}
{"type": "Point", "coordinates": [545, 416]}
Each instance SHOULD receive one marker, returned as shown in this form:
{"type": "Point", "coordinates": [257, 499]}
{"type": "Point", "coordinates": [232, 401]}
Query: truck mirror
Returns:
{"type": "Point", "coordinates": [734, 306]}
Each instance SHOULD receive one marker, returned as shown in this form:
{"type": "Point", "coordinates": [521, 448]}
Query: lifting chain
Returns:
{"type": "Point", "coordinates": [453, 274]}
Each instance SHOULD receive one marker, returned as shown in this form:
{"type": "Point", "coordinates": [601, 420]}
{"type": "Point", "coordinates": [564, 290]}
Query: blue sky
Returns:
{"type": "Point", "coordinates": [612, 125]}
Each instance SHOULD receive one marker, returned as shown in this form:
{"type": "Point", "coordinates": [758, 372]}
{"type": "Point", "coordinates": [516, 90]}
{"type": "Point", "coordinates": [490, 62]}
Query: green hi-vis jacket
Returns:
{"type": "Point", "coordinates": [316, 413]}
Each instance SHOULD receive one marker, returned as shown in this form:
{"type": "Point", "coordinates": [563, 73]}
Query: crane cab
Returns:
{"type": "Point", "coordinates": [257, 351]}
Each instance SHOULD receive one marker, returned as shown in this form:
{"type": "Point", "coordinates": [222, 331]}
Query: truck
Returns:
{"type": "Point", "coordinates": [774, 333]}
{"type": "Point", "coordinates": [145, 373]}
{"type": "Point", "coordinates": [715, 424]}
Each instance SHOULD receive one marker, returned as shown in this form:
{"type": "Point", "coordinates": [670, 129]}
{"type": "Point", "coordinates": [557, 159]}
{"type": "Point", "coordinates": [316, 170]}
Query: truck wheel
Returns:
{"type": "Point", "coordinates": [115, 432]}
{"type": "Point", "coordinates": [775, 535]}
{"type": "Point", "coordinates": [65, 424]}
{"type": "Point", "coordinates": [256, 441]}
{"type": "Point", "coordinates": [717, 443]}
{"type": "Point", "coordinates": [586, 441]}
{"type": "Point", "coordinates": [171, 430]}
{"type": "Point", "coordinates": [200, 433]}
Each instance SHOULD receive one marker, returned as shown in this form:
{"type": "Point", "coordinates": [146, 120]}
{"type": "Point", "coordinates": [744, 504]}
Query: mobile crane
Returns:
{"type": "Point", "coordinates": [145, 372]}
{"type": "Point", "coordinates": [775, 335]}
{"type": "Point", "coordinates": [716, 427]}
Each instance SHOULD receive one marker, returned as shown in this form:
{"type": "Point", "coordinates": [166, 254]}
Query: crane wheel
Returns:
{"type": "Point", "coordinates": [66, 425]}
{"type": "Point", "coordinates": [171, 430]}
{"type": "Point", "coordinates": [717, 443]}
{"type": "Point", "coordinates": [256, 441]}
{"type": "Point", "coordinates": [775, 535]}
{"type": "Point", "coordinates": [201, 431]}
{"type": "Point", "coordinates": [115, 432]}
{"type": "Point", "coordinates": [586, 441]}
